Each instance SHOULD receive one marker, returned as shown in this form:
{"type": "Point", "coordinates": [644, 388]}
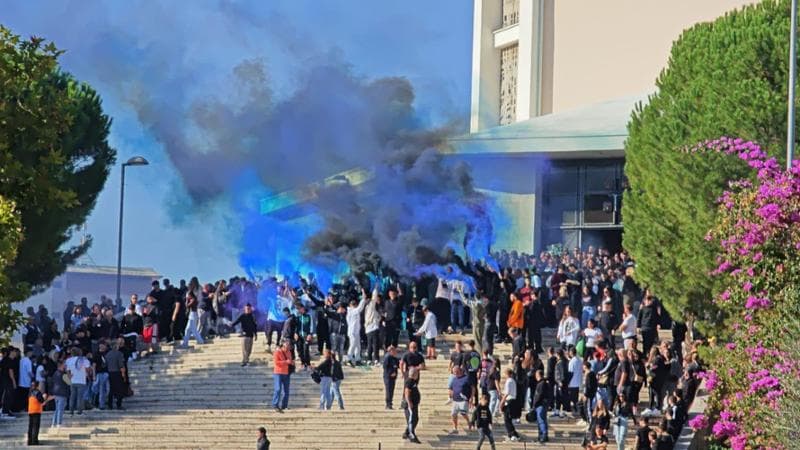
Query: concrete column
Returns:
{"type": "Point", "coordinates": [530, 59]}
{"type": "Point", "coordinates": [485, 111]}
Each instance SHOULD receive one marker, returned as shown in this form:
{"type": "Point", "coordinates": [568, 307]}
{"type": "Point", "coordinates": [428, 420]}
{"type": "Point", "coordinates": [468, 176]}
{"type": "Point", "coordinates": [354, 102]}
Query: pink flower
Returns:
{"type": "Point", "coordinates": [699, 422]}
{"type": "Point", "coordinates": [747, 286]}
{"type": "Point", "coordinates": [730, 346]}
{"type": "Point", "coordinates": [754, 302]}
{"type": "Point", "coordinates": [739, 442]}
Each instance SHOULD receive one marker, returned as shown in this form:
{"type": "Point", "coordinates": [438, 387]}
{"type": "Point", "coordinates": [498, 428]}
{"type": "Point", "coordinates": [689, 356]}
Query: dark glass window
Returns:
{"type": "Point", "coordinates": [598, 208]}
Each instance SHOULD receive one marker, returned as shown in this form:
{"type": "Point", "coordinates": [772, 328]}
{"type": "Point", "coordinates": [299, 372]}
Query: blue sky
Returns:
{"type": "Point", "coordinates": [192, 48]}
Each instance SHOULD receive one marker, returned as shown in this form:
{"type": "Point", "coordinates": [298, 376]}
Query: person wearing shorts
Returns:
{"type": "Point", "coordinates": [428, 330]}
{"type": "Point", "coordinates": [150, 333]}
{"type": "Point", "coordinates": [459, 390]}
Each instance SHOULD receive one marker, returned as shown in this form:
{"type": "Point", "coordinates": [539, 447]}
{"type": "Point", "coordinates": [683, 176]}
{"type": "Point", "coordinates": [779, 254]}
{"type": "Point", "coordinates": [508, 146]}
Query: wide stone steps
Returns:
{"type": "Point", "coordinates": [200, 398]}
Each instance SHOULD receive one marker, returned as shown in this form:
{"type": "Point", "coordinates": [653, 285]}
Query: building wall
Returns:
{"type": "Point", "coordinates": [615, 48]}
{"type": "Point", "coordinates": [574, 52]}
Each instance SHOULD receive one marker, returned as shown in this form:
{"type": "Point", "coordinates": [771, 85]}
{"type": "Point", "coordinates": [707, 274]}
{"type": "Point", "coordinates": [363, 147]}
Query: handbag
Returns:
{"type": "Point", "coordinates": [315, 375]}
{"type": "Point", "coordinates": [603, 379]}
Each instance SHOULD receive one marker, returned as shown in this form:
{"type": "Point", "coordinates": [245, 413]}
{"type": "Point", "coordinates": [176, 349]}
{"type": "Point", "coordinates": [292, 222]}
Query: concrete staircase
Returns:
{"type": "Point", "coordinates": [202, 399]}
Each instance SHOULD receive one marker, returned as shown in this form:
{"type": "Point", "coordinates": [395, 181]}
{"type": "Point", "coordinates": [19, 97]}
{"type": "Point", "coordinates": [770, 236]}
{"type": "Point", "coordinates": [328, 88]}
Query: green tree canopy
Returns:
{"type": "Point", "coordinates": [54, 159]}
{"type": "Point", "coordinates": [727, 77]}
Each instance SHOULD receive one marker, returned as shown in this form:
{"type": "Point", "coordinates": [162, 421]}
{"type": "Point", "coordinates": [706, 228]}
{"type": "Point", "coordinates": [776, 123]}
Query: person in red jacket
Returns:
{"type": "Point", "coordinates": [283, 369]}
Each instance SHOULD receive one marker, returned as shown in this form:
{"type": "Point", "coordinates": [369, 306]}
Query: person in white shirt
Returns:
{"type": "Point", "coordinates": [136, 305]}
{"type": "Point", "coordinates": [354, 328]}
{"type": "Point", "coordinates": [568, 328]}
{"type": "Point", "coordinates": [575, 370]}
{"type": "Point", "coordinates": [78, 367]}
{"type": "Point", "coordinates": [628, 327]}
{"type": "Point", "coordinates": [593, 335]}
{"type": "Point", "coordinates": [429, 330]}
{"type": "Point", "coordinates": [508, 404]}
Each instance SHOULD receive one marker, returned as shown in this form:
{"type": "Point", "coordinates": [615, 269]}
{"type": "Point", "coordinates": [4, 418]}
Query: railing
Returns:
{"type": "Point", "coordinates": [510, 12]}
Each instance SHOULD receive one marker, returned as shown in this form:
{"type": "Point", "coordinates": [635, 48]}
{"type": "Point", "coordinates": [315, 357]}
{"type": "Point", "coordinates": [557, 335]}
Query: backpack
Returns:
{"type": "Point", "coordinates": [473, 362]}
{"type": "Point", "coordinates": [316, 376]}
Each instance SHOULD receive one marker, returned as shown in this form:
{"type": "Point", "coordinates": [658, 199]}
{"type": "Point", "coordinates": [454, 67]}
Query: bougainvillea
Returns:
{"type": "Point", "coordinates": [758, 231]}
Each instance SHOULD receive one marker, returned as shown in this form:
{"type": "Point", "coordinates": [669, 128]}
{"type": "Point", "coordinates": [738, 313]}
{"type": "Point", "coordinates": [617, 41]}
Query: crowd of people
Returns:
{"type": "Point", "coordinates": [606, 328]}
{"type": "Point", "coordinates": [83, 366]}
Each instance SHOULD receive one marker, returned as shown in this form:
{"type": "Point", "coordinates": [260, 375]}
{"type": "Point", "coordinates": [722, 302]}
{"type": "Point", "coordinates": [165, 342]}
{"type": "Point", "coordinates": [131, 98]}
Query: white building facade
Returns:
{"type": "Point", "coordinates": [553, 87]}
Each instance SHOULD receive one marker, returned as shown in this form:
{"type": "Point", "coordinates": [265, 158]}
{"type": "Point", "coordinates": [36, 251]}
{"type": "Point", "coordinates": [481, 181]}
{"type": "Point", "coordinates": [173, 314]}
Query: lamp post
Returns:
{"type": "Point", "coordinates": [135, 161]}
{"type": "Point", "coordinates": [792, 80]}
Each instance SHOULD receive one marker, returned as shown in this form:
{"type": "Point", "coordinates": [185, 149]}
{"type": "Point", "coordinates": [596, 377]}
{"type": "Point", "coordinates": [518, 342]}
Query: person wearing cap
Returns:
{"type": "Point", "coordinates": [250, 332]}
{"type": "Point", "coordinates": [429, 331]}
{"type": "Point", "coordinates": [263, 442]}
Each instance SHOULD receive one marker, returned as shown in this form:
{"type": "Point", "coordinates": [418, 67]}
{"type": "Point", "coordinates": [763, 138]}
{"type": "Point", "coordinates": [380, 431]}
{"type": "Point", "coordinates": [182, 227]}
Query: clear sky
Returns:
{"type": "Point", "coordinates": [428, 42]}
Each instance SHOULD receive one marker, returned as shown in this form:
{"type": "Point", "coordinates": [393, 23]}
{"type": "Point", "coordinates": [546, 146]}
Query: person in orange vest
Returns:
{"type": "Point", "coordinates": [516, 317]}
{"type": "Point", "coordinates": [36, 401]}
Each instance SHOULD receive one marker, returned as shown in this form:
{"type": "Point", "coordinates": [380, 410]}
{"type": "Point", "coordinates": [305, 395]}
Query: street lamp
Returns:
{"type": "Point", "coordinates": [135, 161]}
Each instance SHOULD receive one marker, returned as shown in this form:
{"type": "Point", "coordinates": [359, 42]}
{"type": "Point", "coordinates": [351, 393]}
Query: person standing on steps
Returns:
{"type": "Point", "coordinates": [324, 369]}
{"type": "Point", "coordinates": [354, 328]}
{"type": "Point", "coordinates": [282, 372]}
{"type": "Point", "coordinates": [36, 401]}
{"type": "Point", "coordinates": [250, 332]}
{"type": "Point", "coordinates": [391, 363]}
{"type": "Point", "coordinates": [337, 325]}
{"type": "Point", "coordinates": [429, 331]}
{"type": "Point", "coordinates": [411, 400]}
{"type": "Point", "coordinates": [263, 442]}
{"type": "Point", "coordinates": [337, 376]}
{"type": "Point", "coordinates": [117, 376]}
{"type": "Point", "coordinates": [192, 323]}
{"type": "Point", "coordinates": [508, 403]}
{"type": "Point", "coordinates": [541, 399]}
{"type": "Point", "coordinates": [302, 336]}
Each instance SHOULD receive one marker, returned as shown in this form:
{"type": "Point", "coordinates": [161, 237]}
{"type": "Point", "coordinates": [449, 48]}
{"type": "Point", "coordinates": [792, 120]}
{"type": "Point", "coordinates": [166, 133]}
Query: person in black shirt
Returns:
{"type": "Point", "coordinates": [250, 331]}
{"type": "Point", "coordinates": [415, 317]}
{"type": "Point", "coordinates": [643, 434]}
{"type": "Point", "coordinates": [599, 440]}
{"type": "Point", "coordinates": [391, 364]}
{"type": "Point", "coordinates": [541, 400]}
{"type": "Point", "coordinates": [608, 322]}
{"type": "Point", "coordinates": [411, 399]}
{"type": "Point", "coordinates": [534, 321]}
{"type": "Point", "coordinates": [323, 328]}
{"type": "Point", "coordinates": [391, 318]}
{"type": "Point", "coordinates": [648, 323]}
{"type": "Point", "coordinates": [412, 359]}
{"type": "Point", "coordinates": [100, 370]}
{"type": "Point", "coordinates": [482, 421]}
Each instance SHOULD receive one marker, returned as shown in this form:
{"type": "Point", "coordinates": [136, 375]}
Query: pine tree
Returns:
{"type": "Point", "coordinates": [724, 78]}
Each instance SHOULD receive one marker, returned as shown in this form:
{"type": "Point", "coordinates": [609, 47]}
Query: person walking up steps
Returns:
{"type": "Point", "coordinates": [250, 332]}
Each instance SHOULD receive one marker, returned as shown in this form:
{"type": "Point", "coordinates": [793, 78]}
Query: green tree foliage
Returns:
{"type": "Point", "coordinates": [727, 77]}
{"type": "Point", "coordinates": [54, 159]}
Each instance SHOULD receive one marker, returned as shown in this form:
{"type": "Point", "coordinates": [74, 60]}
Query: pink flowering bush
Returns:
{"type": "Point", "coordinates": [755, 371]}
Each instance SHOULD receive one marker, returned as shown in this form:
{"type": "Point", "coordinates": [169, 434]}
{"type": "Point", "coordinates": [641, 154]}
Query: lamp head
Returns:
{"type": "Point", "coordinates": [136, 161]}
